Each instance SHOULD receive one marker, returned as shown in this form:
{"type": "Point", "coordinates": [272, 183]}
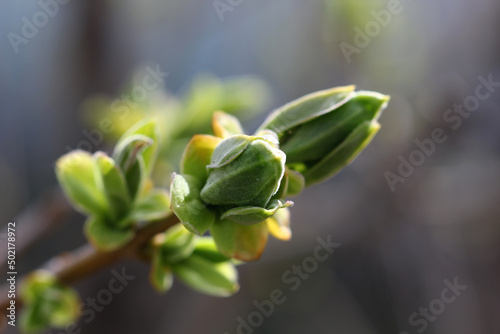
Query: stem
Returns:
{"type": "Point", "coordinates": [87, 260]}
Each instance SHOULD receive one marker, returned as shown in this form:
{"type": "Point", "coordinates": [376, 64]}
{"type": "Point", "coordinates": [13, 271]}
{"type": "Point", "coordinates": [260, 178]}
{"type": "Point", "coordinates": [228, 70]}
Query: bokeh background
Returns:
{"type": "Point", "coordinates": [396, 247]}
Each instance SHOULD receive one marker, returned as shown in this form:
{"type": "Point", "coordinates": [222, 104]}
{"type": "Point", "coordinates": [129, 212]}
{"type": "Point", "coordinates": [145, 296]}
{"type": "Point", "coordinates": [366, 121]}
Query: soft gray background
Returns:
{"type": "Point", "coordinates": [396, 249]}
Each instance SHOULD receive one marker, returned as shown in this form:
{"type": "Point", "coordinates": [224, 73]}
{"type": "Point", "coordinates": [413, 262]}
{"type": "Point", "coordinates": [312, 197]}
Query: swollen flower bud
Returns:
{"type": "Point", "coordinates": [322, 132]}
{"type": "Point", "coordinates": [234, 185]}
{"type": "Point", "coordinates": [244, 171]}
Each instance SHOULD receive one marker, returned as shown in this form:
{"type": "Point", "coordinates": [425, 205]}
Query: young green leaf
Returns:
{"type": "Point", "coordinates": [114, 185]}
{"type": "Point", "coordinates": [105, 237]}
{"type": "Point", "coordinates": [160, 276]}
{"type": "Point", "coordinates": [318, 137]}
{"type": "Point", "coordinates": [270, 136]}
{"type": "Point", "coordinates": [216, 279]}
{"type": "Point", "coordinates": [150, 129]}
{"type": "Point", "coordinates": [185, 202]}
{"type": "Point", "coordinates": [306, 108]}
{"type": "Point", "coordinates": [296, 182]}
{"type": "Point", "coordinates": [136, 177]}
{"type": "Point", "coordinates": [344, 154]}
{"type": "Point", "coordinates": [152, 206]}
{"type": "Point", "coordinates": [129, 148]}
{"type": "Point", "coordinates": [228, 150]}
{"type": "Point", "coordinates": [177, 244]}
{"type": "Point", "coordinates": [76, 172]}
{"type": "Point", "coordinates": [248, 215]}
{"type": "Point", "coordinates": [198, 155]}
{"type": "Point", "coordinates": [283, 189]}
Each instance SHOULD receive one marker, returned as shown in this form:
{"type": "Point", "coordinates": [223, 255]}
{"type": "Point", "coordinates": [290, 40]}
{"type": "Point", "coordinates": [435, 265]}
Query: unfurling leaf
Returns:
{"type": "Point", "coordinates": [307, 108]}
{"type": "Point", "coordinates": [77, 175]}
{"type": "Point", "coordinates": [129, 148]}
{"type": "Point", "coordinates": [150, 129]}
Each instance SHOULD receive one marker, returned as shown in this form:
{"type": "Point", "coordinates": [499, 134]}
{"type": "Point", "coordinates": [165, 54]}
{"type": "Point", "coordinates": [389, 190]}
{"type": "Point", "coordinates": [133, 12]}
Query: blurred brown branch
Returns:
{"type": "Point", "coordinates": [37, 221]}
{"type": "Point", "coordinates": [71, 267]}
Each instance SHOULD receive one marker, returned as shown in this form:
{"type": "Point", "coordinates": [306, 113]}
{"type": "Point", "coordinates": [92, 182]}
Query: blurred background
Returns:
{"type": "Point", "coordinates": [400, 242]}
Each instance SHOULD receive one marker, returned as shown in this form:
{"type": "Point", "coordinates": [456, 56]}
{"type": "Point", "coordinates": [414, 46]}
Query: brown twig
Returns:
{"type": "Point", "coordinates": [71, 267]}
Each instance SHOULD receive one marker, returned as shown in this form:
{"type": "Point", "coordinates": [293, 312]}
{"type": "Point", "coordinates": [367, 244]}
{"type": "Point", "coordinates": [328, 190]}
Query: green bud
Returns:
{"type": "Point", "coordinates": [315, 126]}
{"type": "Point", "coordinates": [245, 171]}
{"type": "Point", "coordinates": [47, 303]}
{"type": "Point", "coordinates": [79, 178]}
{"type": "Point", "coordinates": [318, 137]}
